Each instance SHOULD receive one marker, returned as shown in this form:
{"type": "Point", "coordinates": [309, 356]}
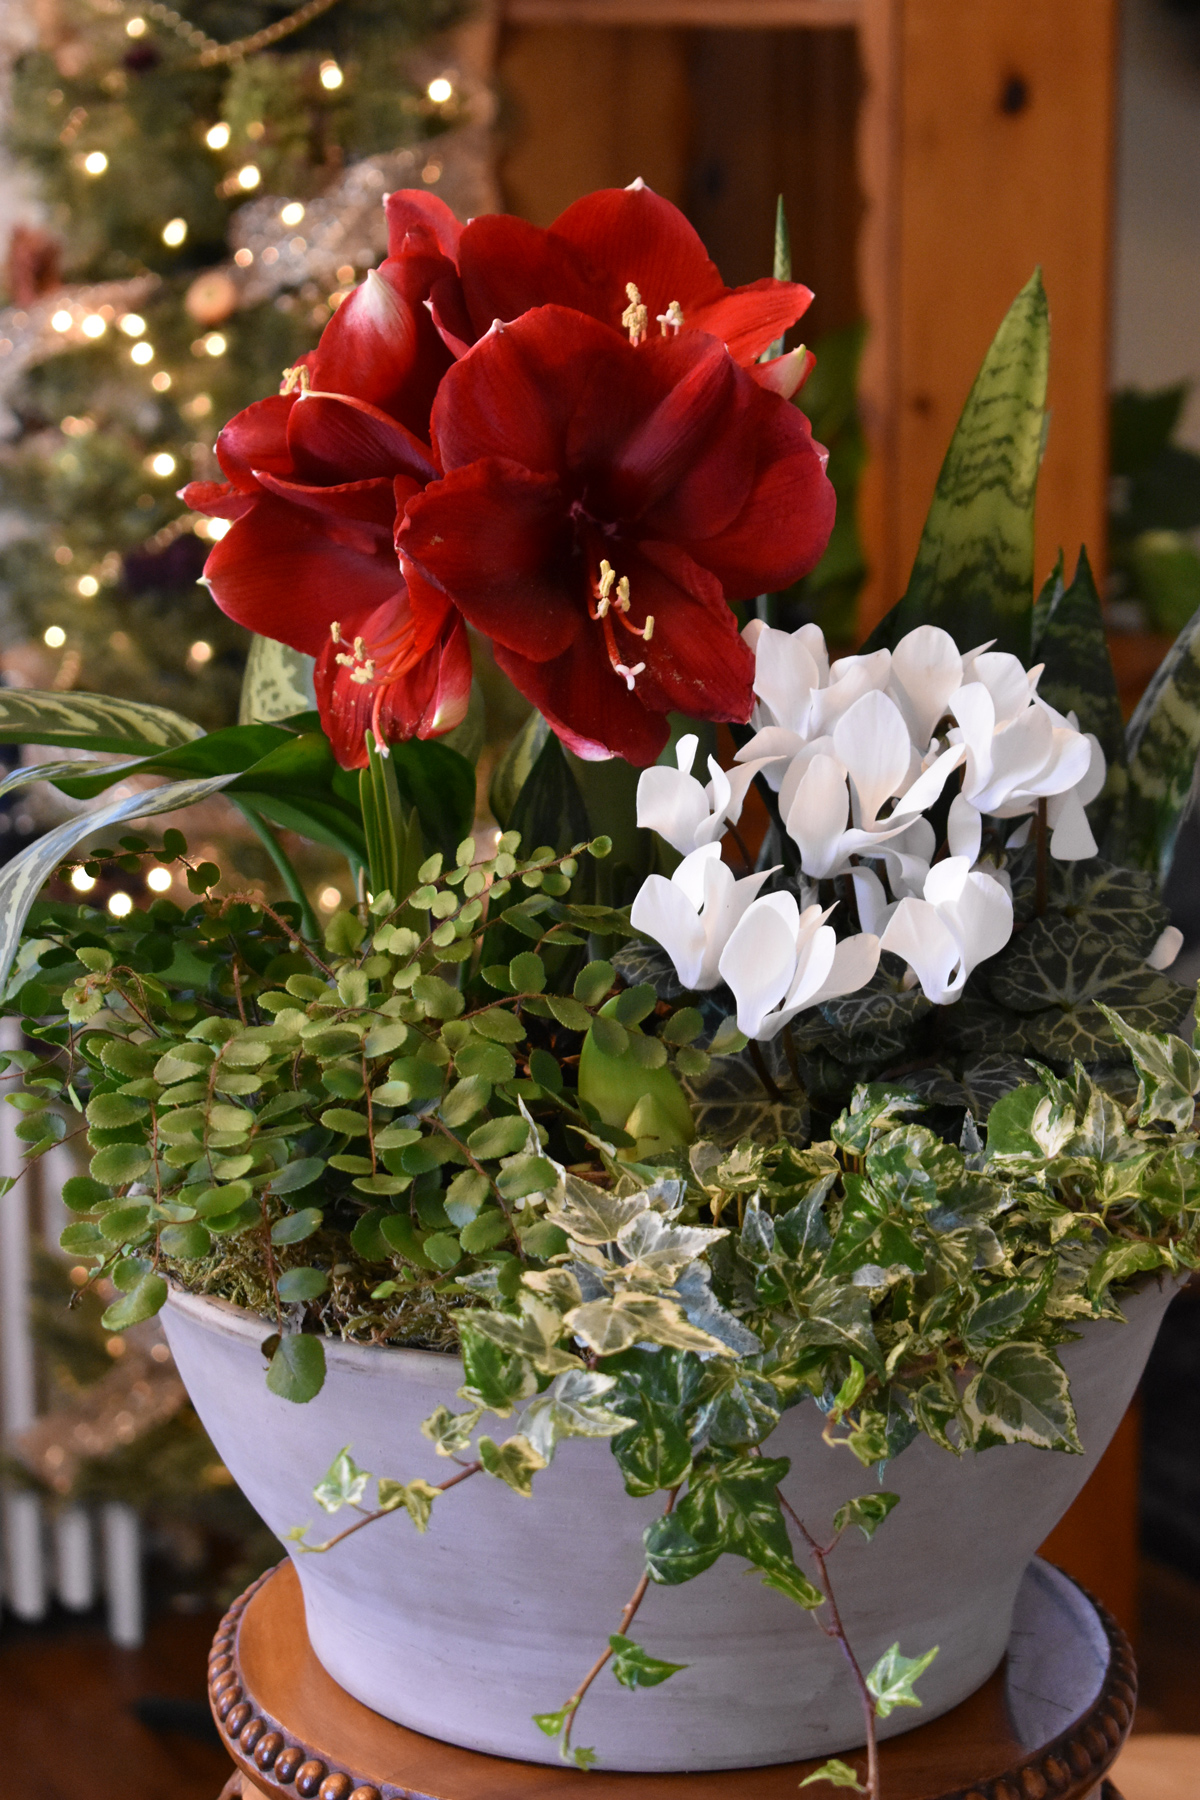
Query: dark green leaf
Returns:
{"type": "Point", "coordinates": [635, 1668]}
{"type": "Point", "coordinates": [297, 1370]}
{"type": "Point", "coordinates": [293, 1228]}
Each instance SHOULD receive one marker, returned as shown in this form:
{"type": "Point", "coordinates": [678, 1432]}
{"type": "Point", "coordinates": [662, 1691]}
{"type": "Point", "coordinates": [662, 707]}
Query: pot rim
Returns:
{"type": "Point", "coordinates": [428, 1367]}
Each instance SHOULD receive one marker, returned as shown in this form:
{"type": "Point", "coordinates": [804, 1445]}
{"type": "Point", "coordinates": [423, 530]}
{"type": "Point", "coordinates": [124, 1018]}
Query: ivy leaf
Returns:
{"type": "Point", "coordinates": [343, 1485]}
{"type": "Point", "coordinates": [1120, 1262]}
{"type": "Point", "coordinates": [416, 1497]}
{"type": "Point", "coordinates": [1021, 1396]}
{"type": "Point", "coordinates": [614, 1324]}
{"type": "Point", "coordinates": [591, 1216]}
{"type": "Point", "coordinates": [731, 1506]}
{"type": "Point", "coordinates": [837, 1773]}
{"type": "Point", "coordinates": [868, 1512]}
{"type": "Point", "coordinates": [514, 1462]}
{"type": "Point", "coordinates": [495, 1374]}
{"type": "Point", "coordinates": [635, 1668]}
{"type": "Point", "coordinates": [571, 1406]}
{"type": "Point", "coordinates": [891, 1680]}
{"type": "Point", "coordinates": [1003, 1313]}
{"type": "Point", "coordinates": [1168, 1072]}
{"type": "Point", "coordinates": [297, 1370]}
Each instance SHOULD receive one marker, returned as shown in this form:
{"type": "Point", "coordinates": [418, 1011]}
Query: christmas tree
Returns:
{"type": "Point", "coordinates": [212, 190]}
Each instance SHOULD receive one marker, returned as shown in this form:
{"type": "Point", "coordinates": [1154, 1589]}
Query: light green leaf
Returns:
{"type": "Point", "coordinates": [1168, 1073]}
{"type": "Point", "coordinates": [891, 1680]}
{"type": "Point", "coordinates": [611, 1325]}
{"type": "Point", "coordinates": [293, 1228]}
{"type": "Point", "coordinates": [278, 683]}
{"type": "Point", "coordinates": [571, 1406]}
{"type": "Point", "coordinates": [837, 1774]}
{"type": "Point", "coordinates": [451, 1432]}
{"type": "Point", "coordinates": [416, 1497]}
{"type": "Point", "coordinates": [515, 1462]}
{"type": "Point", "coordinates": [297, 1370]}
{"type": "Point", "coordinates": [1021, 1396]}
{"type": "Point", "coordinates": [90, 722]}
{"type": "Point", "coordinates": [142, 1302]}
{"type": "Point", "coordinates": [22, 879]}
{"type": "Point", "coordinates": [868, 1512]}
{"type": "Point", "coordinates": [634, 1668]}
{"type": "Point", "coordinates": [343, 1485]}
{"type": "Point", "coordinates": [974, 569]}
{"type": "Point", "coordinates": [591, 1216]}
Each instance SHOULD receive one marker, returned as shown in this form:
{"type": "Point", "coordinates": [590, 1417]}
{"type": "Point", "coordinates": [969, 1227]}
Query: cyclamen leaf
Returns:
{"type": "Point", "coordinates": [891, 1680]}
{"type": "Point", "coordinates": [1021, 1396]}
{"type": "Point", "coordinates": [634, 1668]}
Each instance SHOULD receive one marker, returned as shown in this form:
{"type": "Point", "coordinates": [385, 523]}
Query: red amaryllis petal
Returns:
{"type": "Point", "coordinates": [257, 439]}
{"type": "Point", "coordinates": [493, 536]}
{"type": "Point", "coordinates": [381, 344]}
{"type": "Point", "coordinates": [375, 679]}
{"type": "Point", "coordinates": [783, 527]}
{"type": "Point", "coordinates": [696, 662]}
{"type": "Point", "coordinates": [335, 438]}
{"type": "Point", "coordinates": [517, 391]}
{"type": "Point", "coordinates": [594, 715]}
{"type": "Point", "coordinates": [417, 219]}
{"type": "Point", "coordinates": [369, 505]}
{"type": "Point", "coordinates": [786, 375]}
{"type": "Point", "coordinates": [508, 266]}
{"type": "Point", "coordinates": [633, 234]}
{"type": "Point", "coordinates": [289, 573]}
{"type": "Point", "coordinates": [217, 499]}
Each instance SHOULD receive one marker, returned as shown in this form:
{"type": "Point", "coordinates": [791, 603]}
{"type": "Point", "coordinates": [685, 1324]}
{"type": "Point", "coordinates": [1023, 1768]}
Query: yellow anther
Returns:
{"type": "Point", "coordinates": [602, 607]}
{"type": "Point", "coordinates": [295, 377]}
{"type": "Point", "coordinates": [359, 648]}
{"type": "Point", "coordinates": [635, 318]}
{"type": "Point", "coordinates": [607, 576]}
{"type": "Point", "coordinates": [648, 627]}
{"type": "Point", "coordinates": [672, 319]}
{"type": "Point", "coordinates": [364, 673]}
{"type": "Point", "coordinates": [623, 594]}
{"type": "Point", "coordinates": [335, 632]}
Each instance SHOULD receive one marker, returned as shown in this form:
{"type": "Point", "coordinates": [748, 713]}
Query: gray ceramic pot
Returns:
{"type": "Point", "coordinates": [499, 1610]}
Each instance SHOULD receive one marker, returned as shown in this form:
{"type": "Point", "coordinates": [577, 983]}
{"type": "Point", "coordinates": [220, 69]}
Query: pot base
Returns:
{"type": "Point", "coordinates": [1050, 1721]}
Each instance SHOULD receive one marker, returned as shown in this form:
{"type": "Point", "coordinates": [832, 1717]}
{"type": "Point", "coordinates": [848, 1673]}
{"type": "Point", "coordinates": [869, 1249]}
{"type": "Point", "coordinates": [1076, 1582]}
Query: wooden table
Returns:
{"type": "Point", "coordinates": [1024, 1735]}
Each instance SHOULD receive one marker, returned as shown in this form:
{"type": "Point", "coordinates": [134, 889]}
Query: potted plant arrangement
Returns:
{"type": "Point", "coordinates": [628, 1221]}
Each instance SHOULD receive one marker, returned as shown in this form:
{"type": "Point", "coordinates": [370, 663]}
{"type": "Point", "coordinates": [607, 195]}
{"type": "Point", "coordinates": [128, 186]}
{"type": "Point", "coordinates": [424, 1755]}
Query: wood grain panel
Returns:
{"type": "Point", "coordinates": [746, 14]}
{"type": "Point", "coordinates": [992, 154]}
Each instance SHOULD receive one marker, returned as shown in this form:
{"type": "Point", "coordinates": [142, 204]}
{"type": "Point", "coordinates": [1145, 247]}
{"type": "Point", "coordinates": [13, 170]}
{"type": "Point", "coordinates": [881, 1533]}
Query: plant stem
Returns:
{"type": "Point", "coordinates": [384, 1512]}
{"type": "Point", "coordinates": [838, 1631]}
{"type": "Point", "coordinates": [1042, 845]}
{"type": "Point", "coordinates": [762, 1071]}
{"type": "Point", "coordinates": [627, 1617]}
{"type": "Point", "coordinates": [283, 865]}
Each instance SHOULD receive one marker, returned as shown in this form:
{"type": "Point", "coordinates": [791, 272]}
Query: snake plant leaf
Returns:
{"type": "Point", "coordinates": [90, 722]}
{"type": "Point", "coordinates": [1068, 637]}
{"type": "Point", "coordinates": [440, 783]}
{"type": "Point", "coordinates": [974, 570]}
{"type": "Point", "coordinates": [513, 769]}
{"type": "Point", "coordinates": [278, 683]}
{"type": "Point", "coordinates": [23, 878]}
{"type": "Point", "coordinates": [1162, 744]}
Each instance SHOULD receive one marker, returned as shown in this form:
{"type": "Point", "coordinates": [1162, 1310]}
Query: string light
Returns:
{"type": "Point", "coordinates": [142, 353]}
{"type": "Point", "coordinates": [87, 586]}
{"type": "Point", "coordinates": [64, 555]}
{"type": "Point", "coordinates": [81, 881]}
{"type": "Point", "coordinates": [215, 344]}
{"type": "Point", "coordinates": [243, 258]}
{"type": "Point", "coordinates": [213, 529]}
{"type": "Point", "coordinates": [329, 899]}
{"type": "Point", "coordinates": [199, 654]}
{"type": "Point", "coordinates": [249, 176]}
{"type": "Point", "coordinates": [198, 407]}
{"type": "Point", "coordinates": [292, 213]}
{"type": "Point", "coordinates": [331, 75]}
{"type": "Point", "coordinates": [93, 326]}
{"type": "Point", "coordinates": [159, 880]}
{"type": "Point", "coordinates": [440, 90]}
{"type": "Point", "coordinates": [62, 321]}
{"type": "Point", "coordinates": [95, 162]}
{"type": "Point", "coordinates": [160, 382]}
{"type": "Point", "coordinates": [132, 324]}
{"type": "Point", "coordinates": [174, 232]}
{"type": "Point", "coordinates": [54, 637]}
{"type": "Point", "coordinates": [135, 27]}
{"type": "Point", "coordinates": [217, 136]}
{"type": "Point", "coordinates": [120, 906]}
{"type": "Point", "coordinates": [161, 464]}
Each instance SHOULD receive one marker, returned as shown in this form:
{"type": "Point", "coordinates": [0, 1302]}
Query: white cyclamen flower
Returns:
{"type": "Point", "coordinates": [693, 914]}
{"type": "Point", "coordinates": [673, 803]}
{"type": "Point", "coordinates": [965, 917]}
{"type": "Point", "coordinates": [780, 961]}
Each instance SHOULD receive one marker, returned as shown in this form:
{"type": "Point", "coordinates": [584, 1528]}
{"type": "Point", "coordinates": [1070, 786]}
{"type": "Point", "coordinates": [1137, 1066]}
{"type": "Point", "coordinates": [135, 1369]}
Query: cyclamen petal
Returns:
{"type": "Point", "coordinates": [693, 914]}
{"type": "Point", "coordinates": [817, 817]}
{"type": "Point", "coordinates": [872, 740]}
{"type": "Point", "coordinates": [759, 960]}
{"type": "Point", "coordinates": [929, 947]}
{"type": "Point", "coordinates": [664, 912]}
{"type": "Point", "coordinates": [926, 670]}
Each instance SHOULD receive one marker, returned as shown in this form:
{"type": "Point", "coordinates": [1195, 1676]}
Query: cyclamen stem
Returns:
{"type": "Point", "coordinates": [1042, 847]}
{"type": "Point", "coordinates": [762, 1071]}
{"type": "Point", "coordinates": [837, 1631]}
{"type": "Point", "coordinates": [627, 1617]}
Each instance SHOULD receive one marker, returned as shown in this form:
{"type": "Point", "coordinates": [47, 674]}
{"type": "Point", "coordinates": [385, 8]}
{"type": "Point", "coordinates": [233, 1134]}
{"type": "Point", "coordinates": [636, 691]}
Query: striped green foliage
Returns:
{"type": "Point", "coordinates": [974, 569]}
{"type": "Point", "coordinates": [22, 880]}
{"type": "Point", "coordinates": [278, 683]}
{"type": "Point", "coordinates": [1162, 744]}
{"type": "Point", "coordinates": [90, 722]}
{"type": "Point", "coordinates": [1068, 637]}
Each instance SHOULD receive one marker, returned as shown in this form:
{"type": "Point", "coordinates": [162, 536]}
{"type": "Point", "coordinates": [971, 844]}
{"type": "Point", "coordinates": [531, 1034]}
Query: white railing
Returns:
{"type": "Point", "coordinates": [50, 1550]}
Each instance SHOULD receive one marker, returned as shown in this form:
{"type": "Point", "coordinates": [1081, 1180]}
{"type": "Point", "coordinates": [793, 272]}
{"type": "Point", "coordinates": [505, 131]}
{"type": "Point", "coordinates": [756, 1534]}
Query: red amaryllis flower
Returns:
{"type": "Point", "coordinates": [600, 504]}
{"type": "Point", "coordinates": [316, 483]}
{"type": "Point", "coordinates": [616, 250]}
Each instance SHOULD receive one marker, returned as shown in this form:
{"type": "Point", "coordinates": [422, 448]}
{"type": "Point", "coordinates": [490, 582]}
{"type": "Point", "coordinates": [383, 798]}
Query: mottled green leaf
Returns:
{"type": "Point", "coordinates": [868, 1512]}
{"type": "Point", "coordinates": [1020, 1396]}
{"type": "Point", "coordinates": [891, 1680]}
{"type": "Point", "coordinates": [1069, 638]}
{"type": "Point", "coordinates": [278, 682]}
{"type": "Point", "coordinates": [636, 1668]}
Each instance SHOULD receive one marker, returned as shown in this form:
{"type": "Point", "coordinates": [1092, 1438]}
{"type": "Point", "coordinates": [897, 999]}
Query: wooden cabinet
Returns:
{"type": "Point", "coordinates": [930, 152]}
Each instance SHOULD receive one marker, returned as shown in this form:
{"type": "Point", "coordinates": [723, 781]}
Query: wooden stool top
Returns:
{"type": "Point", "coordinates": [294, 1732]}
